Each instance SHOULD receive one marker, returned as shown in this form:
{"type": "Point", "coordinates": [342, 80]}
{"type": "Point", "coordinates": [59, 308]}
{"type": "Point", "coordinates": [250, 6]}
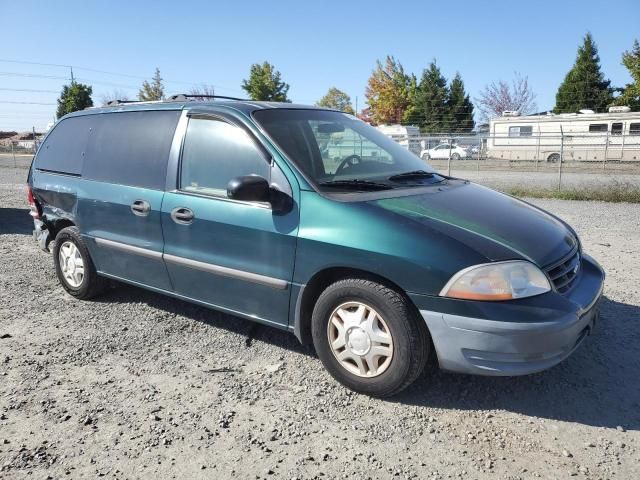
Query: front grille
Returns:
{"type": "Point", "coordinates": [564, 273]}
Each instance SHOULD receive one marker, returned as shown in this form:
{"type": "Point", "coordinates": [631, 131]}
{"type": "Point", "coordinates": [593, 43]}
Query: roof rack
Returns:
{"type": "Point", "coordinates": [115, 103]}
{"type": "Point", "coordinates": [181, 97]}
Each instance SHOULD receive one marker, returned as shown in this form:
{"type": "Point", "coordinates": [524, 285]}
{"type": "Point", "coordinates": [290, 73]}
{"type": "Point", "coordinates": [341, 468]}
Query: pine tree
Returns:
{"type": "Point", "coordinates": [74, 97]}
{"type": "Point", "coordinates": [411, 114]}
{"type": "Point", "coordinates": [265, 83]}
{"type": "Point", "coordinates": [585, 86]}
{"type": "Point", "coordinates": [459, 106]}
{"type": "Point", "coordinates": [631, 92]}
{"type": "Point", "coordinates": [152, 91]}
{"type": "Point", "coordinates": [432, 100]}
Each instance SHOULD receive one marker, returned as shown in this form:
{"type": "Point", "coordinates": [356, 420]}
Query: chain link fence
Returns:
{"type": "Point", "coordinates": [545, 161]}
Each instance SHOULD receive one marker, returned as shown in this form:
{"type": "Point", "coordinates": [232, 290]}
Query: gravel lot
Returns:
{"type": "Point", "coordinates": [137, 385]}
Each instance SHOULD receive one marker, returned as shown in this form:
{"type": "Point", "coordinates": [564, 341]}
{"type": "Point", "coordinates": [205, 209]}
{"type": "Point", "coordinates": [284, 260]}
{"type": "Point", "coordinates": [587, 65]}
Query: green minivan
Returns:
{"type": "Point", "coordinates": [312, 221]}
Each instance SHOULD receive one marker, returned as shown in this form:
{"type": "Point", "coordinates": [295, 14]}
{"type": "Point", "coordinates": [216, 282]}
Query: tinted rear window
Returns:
{"type": "Point", "coordinates": [131, 148]}
{"type": "Point", "coordinates": [64, 148]}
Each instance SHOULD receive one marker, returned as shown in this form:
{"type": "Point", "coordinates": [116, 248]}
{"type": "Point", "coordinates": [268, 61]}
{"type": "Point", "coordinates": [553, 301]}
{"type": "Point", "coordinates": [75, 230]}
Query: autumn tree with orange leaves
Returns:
{"type": "Point", "coordinates": [389, 91]}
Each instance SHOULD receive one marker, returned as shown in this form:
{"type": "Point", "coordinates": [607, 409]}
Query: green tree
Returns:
{"type": "Point", "coordinates": [152, 91]}
{"type": "Point", "coordinates": [74, 97]}
{"type": "Point", "coordinates": [433, 95]}
{"type": "Point", "coordinates": [265, 83]}
{"type": "Point", "coordinates": [387, 92]}
{"type": "Point", "coordinates": [459, 107]}
{"type": "Point", "coordinates": [411, 113]}
{"type": "Point", "coordinates": [336, 99]}
{"type": "Point", "coordinates": [585, 86]}
{"type": "Point", "coordinates": [631, 92]}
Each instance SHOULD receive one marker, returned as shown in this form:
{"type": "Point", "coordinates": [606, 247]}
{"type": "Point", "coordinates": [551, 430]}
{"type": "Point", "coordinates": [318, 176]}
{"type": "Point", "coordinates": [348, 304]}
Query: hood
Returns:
{"type": "Point", "coordinates": [497, 226]}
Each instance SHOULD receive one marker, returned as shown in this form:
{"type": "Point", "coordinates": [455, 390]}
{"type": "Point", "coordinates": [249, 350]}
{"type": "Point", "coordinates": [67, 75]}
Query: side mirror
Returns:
{"type": "Point", "coordinates": [249, 188]}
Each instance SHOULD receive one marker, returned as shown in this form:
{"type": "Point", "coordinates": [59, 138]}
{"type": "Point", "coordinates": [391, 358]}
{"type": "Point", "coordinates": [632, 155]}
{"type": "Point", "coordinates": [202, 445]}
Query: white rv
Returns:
{"type": "Point", "coordinates": [584, 136]}
{"type": "Point", "coordinates": [406, 135]}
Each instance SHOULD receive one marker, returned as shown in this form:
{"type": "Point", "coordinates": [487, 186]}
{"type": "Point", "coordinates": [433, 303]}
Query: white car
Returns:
{"type": "Point", "coordinates": [441, 152]}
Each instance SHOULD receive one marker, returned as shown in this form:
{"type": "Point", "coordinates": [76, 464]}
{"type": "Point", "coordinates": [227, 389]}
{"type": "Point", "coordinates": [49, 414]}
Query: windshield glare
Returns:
{"type": "Point", "coordinates": [332, 146]}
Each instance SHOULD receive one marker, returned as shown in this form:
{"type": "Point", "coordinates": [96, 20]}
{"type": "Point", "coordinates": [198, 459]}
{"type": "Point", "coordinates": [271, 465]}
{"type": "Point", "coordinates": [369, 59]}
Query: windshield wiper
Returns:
{"type": "Point", "coordinates": [410, 175]}
{"type": "Point", "coordinates": [356, 184]}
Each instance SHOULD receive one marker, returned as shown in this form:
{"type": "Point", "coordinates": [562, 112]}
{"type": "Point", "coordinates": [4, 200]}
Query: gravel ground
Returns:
{"type": "Point", "coordinates": [137, 385]}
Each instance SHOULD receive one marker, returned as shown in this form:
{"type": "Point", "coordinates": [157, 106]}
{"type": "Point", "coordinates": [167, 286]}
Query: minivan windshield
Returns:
{"type": "Point", "coordinates": [336, 150]}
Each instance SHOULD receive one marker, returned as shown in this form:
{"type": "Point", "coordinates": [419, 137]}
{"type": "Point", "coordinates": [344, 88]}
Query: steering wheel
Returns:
{"type": "Point", "coordinates": [350, 161]}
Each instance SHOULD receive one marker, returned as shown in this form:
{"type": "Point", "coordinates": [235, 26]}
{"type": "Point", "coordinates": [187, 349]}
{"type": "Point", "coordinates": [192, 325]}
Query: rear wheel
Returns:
{"type": "Point", "coordinates": [369, 337]}
{"type": "Point", "coordinates": [426, 157]}
{"type": "Point", "coordinates": [455, 156]}
{"type": "Point", "coordinates": [74, 267]}
{"type": "Point", "coordinates": [553, 158]}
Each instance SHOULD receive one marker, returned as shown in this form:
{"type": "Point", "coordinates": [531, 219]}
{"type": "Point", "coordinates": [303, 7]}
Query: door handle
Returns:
{"type": "Point", "coordinates": [141, 208]}
{"type": "Point", "coordinates": [182, 215]}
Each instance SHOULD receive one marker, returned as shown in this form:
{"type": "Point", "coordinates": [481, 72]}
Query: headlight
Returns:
{"type": "Point", "coordinates": [497, 281]}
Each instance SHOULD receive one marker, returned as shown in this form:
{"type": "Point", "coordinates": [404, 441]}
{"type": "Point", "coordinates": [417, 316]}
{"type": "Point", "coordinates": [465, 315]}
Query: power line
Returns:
{"type": "Point", "coordinates": [24, 62]}
{"type": "Point", "coordinates": [26, 103]}
{"type": "Point", "coordinates": [32, 75]}
{"type": "Point", "coordinates": [105, 72]}
{"type": "Point", "coordinates": [27, 90]}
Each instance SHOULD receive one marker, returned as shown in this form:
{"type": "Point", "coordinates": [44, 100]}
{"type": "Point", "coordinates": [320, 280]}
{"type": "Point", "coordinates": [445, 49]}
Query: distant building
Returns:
{"type": "Point", "coordinates": [406, 135]}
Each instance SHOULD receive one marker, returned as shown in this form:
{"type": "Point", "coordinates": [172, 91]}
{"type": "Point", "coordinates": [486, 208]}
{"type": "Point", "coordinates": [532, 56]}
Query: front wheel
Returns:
{"type": "Point", "coordinates": [553, 158]}
{"type": "Point", "coordinates": [455, 156]}
{"type": "Point", "coordinates": [369, 337]}
{"type": "Point", "coordinates": [426, 157]}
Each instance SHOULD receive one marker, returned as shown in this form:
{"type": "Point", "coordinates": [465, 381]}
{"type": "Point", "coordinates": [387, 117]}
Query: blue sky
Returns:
{"type": "Point", "coordinates": [315, 45]}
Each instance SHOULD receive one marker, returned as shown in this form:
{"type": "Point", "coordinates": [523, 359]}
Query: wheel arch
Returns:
{"type": "Point", "coordinates": [58, 225]}
{"type": "Point", "coordinates": [310, 292]}
{"type": "Point", "coordinates": [552, 156]}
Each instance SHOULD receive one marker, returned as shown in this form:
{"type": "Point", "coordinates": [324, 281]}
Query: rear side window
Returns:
{"type": "Point", "coordinates": [214, 152]}
{"type": "Point", "coordinates": [131, 148]}
{"type": "Point", "coordinates": [64, 148]}
{"type": "Point", "coordinates": [634, 129]}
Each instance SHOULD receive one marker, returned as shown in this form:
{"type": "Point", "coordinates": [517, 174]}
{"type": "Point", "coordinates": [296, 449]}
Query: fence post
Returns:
{"type": "Point", "coordinates": [479, 152]}
{"type": "Point", "coordinates": [15, 165]}
{"type": "Point", "coordinates": [538, 148]}
{"type": "Point", "coordinates": [561, 159]}
{"type": "Point", "coordinates": [449, 160]}
{"type": "Point", "coordinates": [606, 151]}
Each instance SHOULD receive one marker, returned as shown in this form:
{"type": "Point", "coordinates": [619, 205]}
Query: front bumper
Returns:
{"type": "Point", "coordinates": [529, 336]}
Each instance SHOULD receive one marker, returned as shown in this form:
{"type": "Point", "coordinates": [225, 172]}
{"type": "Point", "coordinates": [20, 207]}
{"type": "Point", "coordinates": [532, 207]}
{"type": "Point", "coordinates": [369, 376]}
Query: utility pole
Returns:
{"type": "Point", "coordinates": [71, 68]}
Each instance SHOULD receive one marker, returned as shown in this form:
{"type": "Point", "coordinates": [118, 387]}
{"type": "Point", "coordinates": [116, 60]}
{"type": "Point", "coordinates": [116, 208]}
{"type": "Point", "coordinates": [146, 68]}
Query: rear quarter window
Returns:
{"type": "Point", "coordinates": [131, 148]}
{"type": "Point", "coordinates": [64, 148]}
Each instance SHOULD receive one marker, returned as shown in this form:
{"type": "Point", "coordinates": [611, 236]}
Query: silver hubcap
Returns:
{"type": "Point", "coordinates": [360, 339]}
{"type": "Point", "coordinates": [71, 264]}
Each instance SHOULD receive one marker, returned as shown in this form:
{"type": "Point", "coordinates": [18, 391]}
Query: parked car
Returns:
{"type": "Point", "coordinates": [441, 152]}
{"type": "Point", "coordinates": [373, 257]}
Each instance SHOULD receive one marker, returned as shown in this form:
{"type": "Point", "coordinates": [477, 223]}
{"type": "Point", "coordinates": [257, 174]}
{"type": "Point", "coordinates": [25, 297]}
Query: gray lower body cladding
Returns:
{"type": "Point", "coordinates": [525, 344]}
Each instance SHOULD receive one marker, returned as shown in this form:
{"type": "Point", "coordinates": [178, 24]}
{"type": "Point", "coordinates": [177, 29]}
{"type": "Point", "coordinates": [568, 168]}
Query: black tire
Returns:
{"type": "Point", "coordinates": [455, 156]}
{"type": "Point", "coordinates": [411, 343]}
{"type": "Point", "coordinates": [426, 157]}
{"type": "Point", "coordinates": [553, 158]}
{"type": "Point", "coordinates": [91, 284]}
